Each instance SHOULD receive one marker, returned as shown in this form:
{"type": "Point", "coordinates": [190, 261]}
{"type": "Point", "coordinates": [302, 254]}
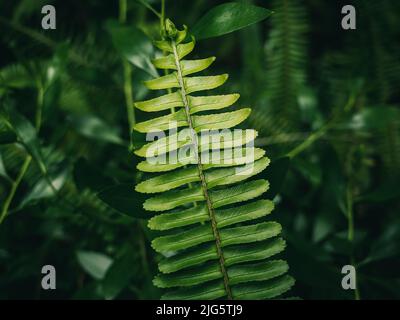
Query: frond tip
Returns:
{"type": "Point", "coordinates": [218, 241]}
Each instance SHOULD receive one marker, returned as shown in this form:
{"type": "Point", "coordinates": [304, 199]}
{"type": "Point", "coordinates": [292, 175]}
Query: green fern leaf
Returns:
{"type": "Point", "coordinates": [216, 246]}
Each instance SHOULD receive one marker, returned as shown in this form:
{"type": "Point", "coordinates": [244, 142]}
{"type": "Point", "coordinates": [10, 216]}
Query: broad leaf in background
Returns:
{"type": "Point", "coordinates": [310, 170]}
{"type": "Point", "coordinates": [89, 176]}
{"type": "Point", "coordinates": [125, 199]}
{"type": "Point", "coordinates": [46, 187]}
{"type": "Point", "coordinates": [94, 263]}
{"type": "Point", "coordinates": [15, 76]}
{"type": "Point", "coordinates": [26, 134]}
{"type": "Point", "coordinates": [228, 17]}
{"type": "Point", "coordinates": [312, 267]}
{"type": "Point", "coordinates": [3, 171]}
{"type": "Point", "coordinates": [276, 174]}
{"type": "Point", "coordinates": [93, 127]}
{"type": "Point", "coordinates": [120, 273]}
{"type": "Point", "coordinates": [386, 246]}
{"type": "Point", "coordinates": [133, 45]}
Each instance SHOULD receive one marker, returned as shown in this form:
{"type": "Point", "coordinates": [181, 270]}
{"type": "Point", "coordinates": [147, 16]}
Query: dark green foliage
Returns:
{"type": "Point", "coordinates": [325, 103]}
{"type": "Point", "coordinates": [278, 108]}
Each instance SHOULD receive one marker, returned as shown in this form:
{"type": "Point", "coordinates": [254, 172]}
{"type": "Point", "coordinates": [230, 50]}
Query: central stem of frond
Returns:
{"type": "Point", "coordinates": [201, 174]}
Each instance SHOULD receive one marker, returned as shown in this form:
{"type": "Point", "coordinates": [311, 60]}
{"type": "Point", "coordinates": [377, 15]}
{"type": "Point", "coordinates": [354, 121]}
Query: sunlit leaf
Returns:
{"type": "Point", "coordinates": [133, 45]}
{"type": "Point", "coordinates": [3, 171]}
{"type": "Point", "coordinates": [47, 186]}
{"type": "Point", "coordinates": [228, 17]}
{"type": "Point", "coordinates": [93, 127]}
{"type": "Point", "coordinates": [94, 263]}
{"type": "Point", "coordinates": [26, 134]}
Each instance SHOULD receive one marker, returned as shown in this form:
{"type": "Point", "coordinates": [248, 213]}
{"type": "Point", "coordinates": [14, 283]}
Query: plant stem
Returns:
{"type": "Point", "coordinates": [310, 140]}
{"type": "Point", "coordinates": [349, 205]}
{"type": "Point", "coordinates": [127, 74]}
{"type": "Point", "coordinates": [39, 103]}
{"type": "Point", "coordinates": [14, 187]}
{"type": "Point", "coordinates": [28, 159]}
{"type": "Point", "coordinates": [321, 131]}
{"type": "Point", "coordinates": [165, 53]}
{"type": "Point", "coordinates": [350, 232]}
{"type": "Point", "coordinates": [148, 6]}
{"type": "Point", "coordinates": [162, 18]}
{"type": "Point", "coordinates": [38, 124]}
{"type": "Point", "coordinates": [123, 8]}
{"type": "Point", "coordinates": [201, 174]}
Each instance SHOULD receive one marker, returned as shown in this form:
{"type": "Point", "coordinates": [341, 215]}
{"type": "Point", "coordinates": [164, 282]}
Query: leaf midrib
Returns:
{"type": "Point", "coordinates": [201, 174]}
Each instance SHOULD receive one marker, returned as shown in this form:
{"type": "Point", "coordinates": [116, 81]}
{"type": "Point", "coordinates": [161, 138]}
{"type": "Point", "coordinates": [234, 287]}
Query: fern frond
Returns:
{"type": "Point", "coordinates": [286, 58]}
{"type": "Point", "coordinates": [277, 112]}
{"type": "Point", "coordinates": [215, 245]}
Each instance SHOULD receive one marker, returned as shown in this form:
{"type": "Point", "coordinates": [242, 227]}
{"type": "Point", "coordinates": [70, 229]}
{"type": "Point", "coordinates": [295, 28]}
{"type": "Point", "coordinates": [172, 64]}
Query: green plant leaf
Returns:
{"type": "Point", "coordinates": [228, 17]}
{"type": "Point", "coordinates": [119, 274]}
{"type": "Point", "coordinates": [94, 263]}
{"type": "Point", "coordinates": [87, 175]}
{"type": "Point", "coordinates": [310, 170]}
{"type": "Point", "coordinates": [42, 189]}
{"type": "Point", "coordinates": [217, 177]}
{"type": "Point", "coordinates": [223, 217]}
{"type": "Point", "coordinates": [171, 143]}
{"type": "Point", "coordinates": [26, 134]}
{"type": "Point", "coordinates": [3, 171]}
{"type": "Point", "coordinates": [124, 199]}
{"type": "Point", "coordinates": [93, 127]}
{"type": "Point", "coordinates": [15, 76]}
{"type": "Point", "coordinates": [386, 246]}
{"type": "Point", "coordinates": [233, 254]}
{"type": "Point", "coordinates": [276, 175]}
{"type": "Point", "coordinates": [133, 45]}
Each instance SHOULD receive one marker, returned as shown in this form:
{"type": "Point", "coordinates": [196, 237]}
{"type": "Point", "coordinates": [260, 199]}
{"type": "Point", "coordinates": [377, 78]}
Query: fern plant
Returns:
{"type": "Point", "coordinates": [216, 242]}
{"type": "Point", "coordinates": [286, 53]}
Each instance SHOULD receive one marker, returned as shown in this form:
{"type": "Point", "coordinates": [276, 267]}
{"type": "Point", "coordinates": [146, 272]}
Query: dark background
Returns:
{"type": "Point", "coordinates": [325, 101]}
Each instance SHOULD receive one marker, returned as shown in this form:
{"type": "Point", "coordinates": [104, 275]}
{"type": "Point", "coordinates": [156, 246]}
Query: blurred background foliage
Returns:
{"type": "Point", "coordinates": [325, 101]}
